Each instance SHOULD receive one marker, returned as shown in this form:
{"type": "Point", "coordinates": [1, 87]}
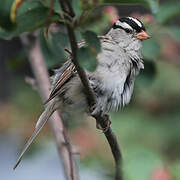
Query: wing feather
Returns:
{"type": "Point", "coordinates": [63, 77]}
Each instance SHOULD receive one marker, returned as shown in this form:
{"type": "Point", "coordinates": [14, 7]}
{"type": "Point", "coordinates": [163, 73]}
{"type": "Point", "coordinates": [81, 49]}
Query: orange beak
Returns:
{"type": "Point", "coordinates": [142, 35]}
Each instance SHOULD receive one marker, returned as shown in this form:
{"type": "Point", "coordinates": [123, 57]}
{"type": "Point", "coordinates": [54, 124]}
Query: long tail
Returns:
{"type": "Point", "coordinates": [51, 107]}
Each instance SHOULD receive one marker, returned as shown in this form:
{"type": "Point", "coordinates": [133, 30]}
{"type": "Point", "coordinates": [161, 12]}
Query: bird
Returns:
{"type": "Point", "coordinates": [119, 62]}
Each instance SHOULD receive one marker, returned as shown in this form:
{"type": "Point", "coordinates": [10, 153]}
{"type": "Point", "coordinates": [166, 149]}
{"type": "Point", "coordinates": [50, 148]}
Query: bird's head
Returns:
{"type": "Point", "coordinates": [127, 30]}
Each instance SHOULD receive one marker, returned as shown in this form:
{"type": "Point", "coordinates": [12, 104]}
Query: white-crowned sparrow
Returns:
{"type": "Point", "coordinates": [119, 62]}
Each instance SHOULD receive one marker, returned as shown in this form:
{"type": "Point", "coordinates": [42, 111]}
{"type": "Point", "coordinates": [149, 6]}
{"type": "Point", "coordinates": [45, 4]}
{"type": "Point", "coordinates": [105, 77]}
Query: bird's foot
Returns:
{"type": "Point", "coordinates": [108, 124]}
{"type": "Point", "coordinates": [100, 116]}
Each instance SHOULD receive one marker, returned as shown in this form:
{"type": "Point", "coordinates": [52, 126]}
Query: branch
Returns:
{"type": "Point", "coordinates": [74, 47]}
{"type": "Point", "coordinates": [42, 79]}
{"type": "Point", "coordinates": [101, 119]}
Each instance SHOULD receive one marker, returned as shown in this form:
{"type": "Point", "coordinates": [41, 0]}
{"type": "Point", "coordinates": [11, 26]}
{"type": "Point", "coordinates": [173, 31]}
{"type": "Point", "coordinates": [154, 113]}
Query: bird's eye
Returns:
{"type": "Point", "coordinates": [128, 30]}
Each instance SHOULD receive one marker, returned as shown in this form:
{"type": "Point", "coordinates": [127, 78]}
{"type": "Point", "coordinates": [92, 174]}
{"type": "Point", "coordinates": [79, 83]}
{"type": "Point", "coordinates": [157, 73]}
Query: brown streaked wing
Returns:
{"type": "Point", "coordinates": [67, 74]}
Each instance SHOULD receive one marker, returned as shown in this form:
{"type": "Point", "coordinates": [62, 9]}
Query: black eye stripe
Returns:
{"type": "Point", "coordinates": [115, 26]}
{"type": "Point", "coordinates": [120, 27]}
{"type": "Point", "coordinates": [128, 30]}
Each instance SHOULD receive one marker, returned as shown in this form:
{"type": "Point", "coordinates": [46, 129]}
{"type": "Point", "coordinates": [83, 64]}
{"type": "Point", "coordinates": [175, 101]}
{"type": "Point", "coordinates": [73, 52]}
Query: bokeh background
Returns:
{"type": "Point", "coordinates": [148, 129]}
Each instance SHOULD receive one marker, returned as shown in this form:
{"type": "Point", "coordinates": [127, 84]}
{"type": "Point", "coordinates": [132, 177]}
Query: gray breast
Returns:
{"type": "Point", "coordinates": [119, 95]}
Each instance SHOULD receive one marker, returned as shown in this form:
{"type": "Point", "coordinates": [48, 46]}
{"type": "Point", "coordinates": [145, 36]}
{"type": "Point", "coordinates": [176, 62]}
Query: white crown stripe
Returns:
{"type": "Point", "coordinates": [136, 21]}
{"type": "Point", "coordinates": [123, 25]}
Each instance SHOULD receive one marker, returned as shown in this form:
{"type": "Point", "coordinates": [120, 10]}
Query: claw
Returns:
{"type": "Point", "coordinates": [98, 126]}
{"type": "Point", "coordinates": [94, 113]}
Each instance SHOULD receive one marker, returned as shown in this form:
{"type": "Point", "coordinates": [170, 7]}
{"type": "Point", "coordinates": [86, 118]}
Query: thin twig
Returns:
{"type": "Point", "coordinates": [74, 47]}
{"type": "Point", "coordinates": [113, 143]}
{"type": "Point", "coordinates": [71, 11]}
{"type": "Point", "coordinates": [69, 147]}
{"type": "Point", "coordinates": [101, 119]}
{"type": "Point", "coordinates": [41, 74]}
{"type": "Point", "coordinates": [49, 17]}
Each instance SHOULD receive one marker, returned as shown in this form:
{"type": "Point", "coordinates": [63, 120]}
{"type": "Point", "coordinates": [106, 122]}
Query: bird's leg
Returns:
{"type": "Point", "coordinates": [105, 117]}
{"type": "Point", "coordinates": [108, 124]}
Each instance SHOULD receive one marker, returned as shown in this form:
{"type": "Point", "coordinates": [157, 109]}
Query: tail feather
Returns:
{"type": "Point", "coordinates": [39, 125]}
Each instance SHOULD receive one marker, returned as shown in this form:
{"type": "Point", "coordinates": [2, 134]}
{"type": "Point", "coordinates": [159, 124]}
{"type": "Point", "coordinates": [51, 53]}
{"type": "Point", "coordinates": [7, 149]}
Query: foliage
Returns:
{"type": "Point", "coordinates": [168, 11]}
{"type": "Point", "coordinates": [31, 15]}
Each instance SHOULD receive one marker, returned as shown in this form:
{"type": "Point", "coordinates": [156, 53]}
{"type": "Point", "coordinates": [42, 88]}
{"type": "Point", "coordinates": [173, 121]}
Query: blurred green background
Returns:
{"type": "Point", "coordinates": [148, 129]}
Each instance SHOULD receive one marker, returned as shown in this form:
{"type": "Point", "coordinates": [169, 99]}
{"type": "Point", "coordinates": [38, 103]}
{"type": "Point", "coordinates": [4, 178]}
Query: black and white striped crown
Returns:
{"type": "Point", "coordinates": [129, 23]}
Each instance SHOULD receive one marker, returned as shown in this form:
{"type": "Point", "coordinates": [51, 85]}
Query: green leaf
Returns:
{"type": "Point", "coordinates": [168, 11]}
{"type": "Point", "coordinates": [148, 74]}
{"type": "Point", "coordinates": [76, 7]}
{"type": "Point", "coordinates": [151, 49]}
{"type": "Point", "coordinates": [52, 48]}
{"type": "Point", "coordinates": [175, 32]}
{"type": "Point", "coordinates": [30, 16]}
{"type": "Point", "coordinates": [152, 4]}
{"type": "Point", "coordinates": [87, 59]}
{"type": "Point", "coordinates": [47, 54]}
{"type": "Point", "coordinates": [5, 8]}
{"type": "Point", "coordinates": [57, 42]}
{"type": "Point", "coordinates": [4, 34]}
{"type": "Point", "coordinates": [56, 8]}
{"type": "Point", "coordinates": [92, 40]}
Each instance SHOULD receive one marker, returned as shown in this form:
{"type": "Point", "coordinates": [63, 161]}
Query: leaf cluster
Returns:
{"type": "Point", "coordinates": [18, 16]}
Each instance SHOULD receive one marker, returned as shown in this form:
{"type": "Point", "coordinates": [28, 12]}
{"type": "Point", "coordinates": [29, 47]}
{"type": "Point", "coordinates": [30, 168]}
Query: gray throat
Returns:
{"type": "Point", "coordinates": [131, 47]}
